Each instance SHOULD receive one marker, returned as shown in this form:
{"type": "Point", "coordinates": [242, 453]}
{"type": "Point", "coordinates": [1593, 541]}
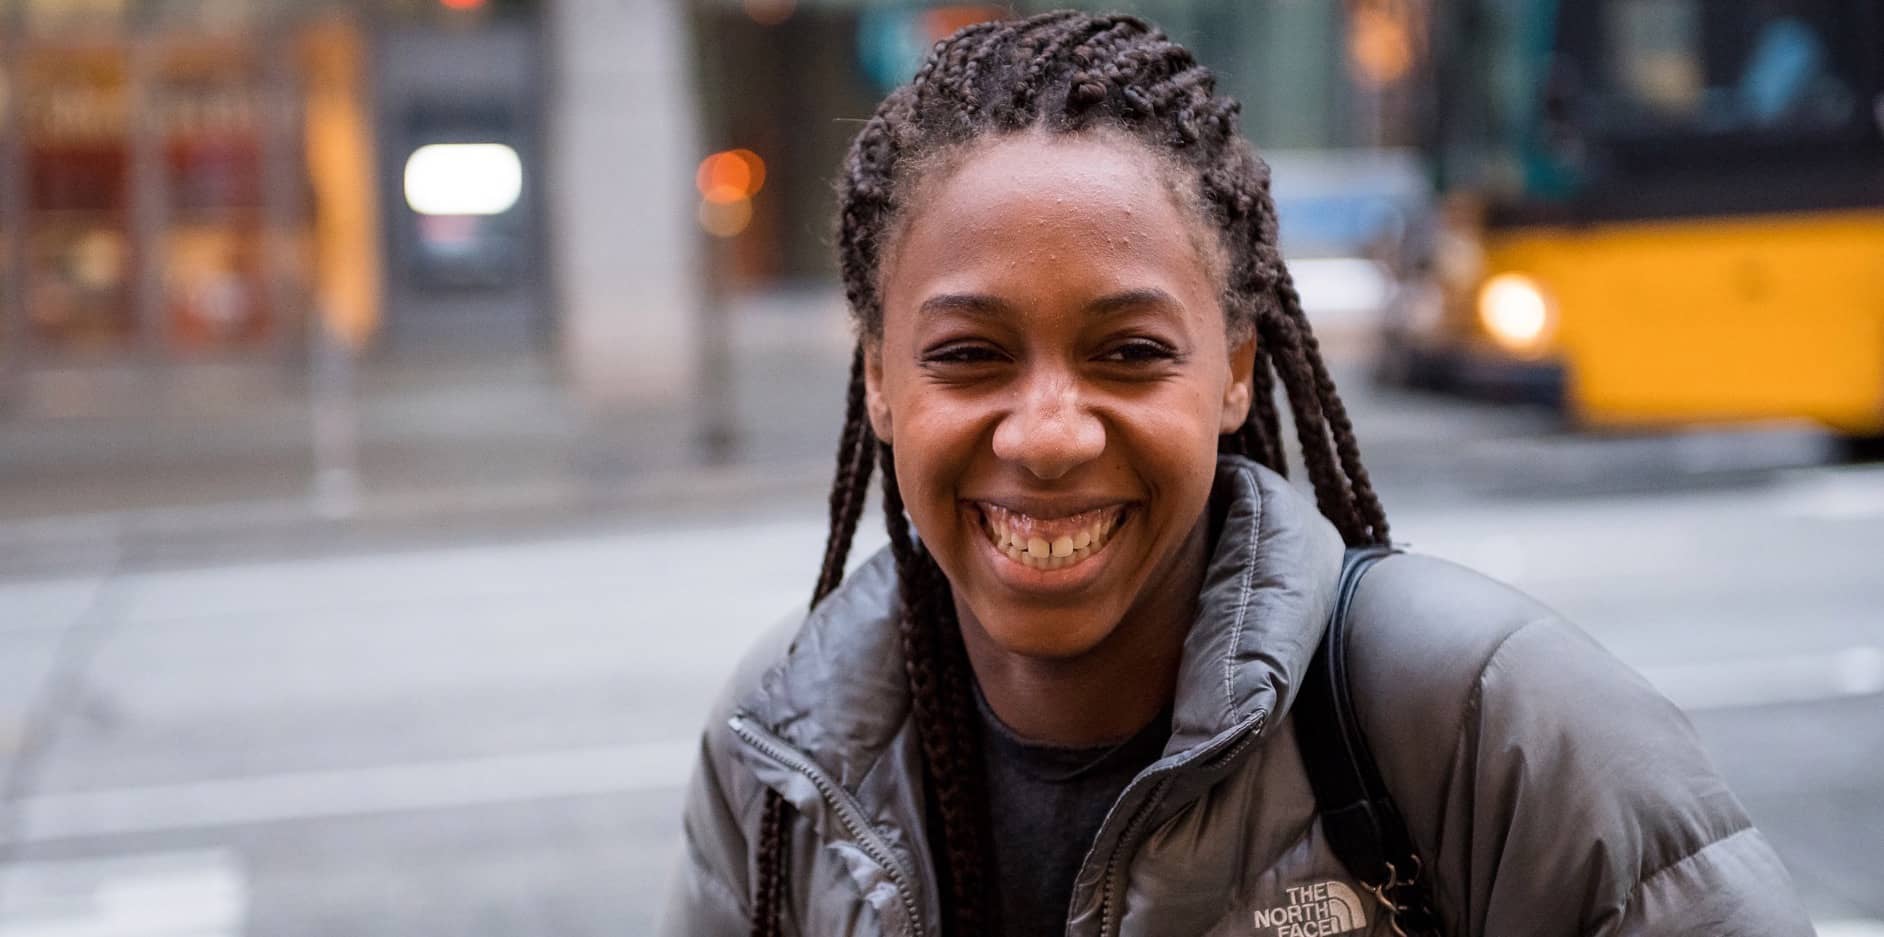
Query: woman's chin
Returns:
{"type": "Point", "coordinates": [1060, 636]}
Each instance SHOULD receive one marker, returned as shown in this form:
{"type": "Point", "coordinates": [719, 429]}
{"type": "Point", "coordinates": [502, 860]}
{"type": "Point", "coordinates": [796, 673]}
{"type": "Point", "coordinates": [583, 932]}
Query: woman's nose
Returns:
{"type": "Point", "coordinates": [1049, 433]}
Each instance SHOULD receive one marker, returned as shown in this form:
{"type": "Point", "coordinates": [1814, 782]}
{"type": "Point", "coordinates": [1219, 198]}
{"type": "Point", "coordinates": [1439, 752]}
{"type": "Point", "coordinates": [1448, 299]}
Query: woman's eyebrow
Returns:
{"type": "Point", "coordinates": [1137, 298]}
{"type": "Point", "coordinates": [974, 304]}
{"type": "Point", "coordinates": [984, 305]}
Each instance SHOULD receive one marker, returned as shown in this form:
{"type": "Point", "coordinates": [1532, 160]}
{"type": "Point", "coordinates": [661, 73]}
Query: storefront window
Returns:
{"type": "Point", "coordinates": [80, 265]}
{"type": "Point", "coordinates": [210, 118]}
{"type": "Point", "coordinates": [47, 18]}
{"type": "Point", "coordinates": [462, 187]}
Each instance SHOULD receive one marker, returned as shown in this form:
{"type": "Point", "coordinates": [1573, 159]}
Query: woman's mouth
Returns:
{"type": "Point", "coordinates": [1049, 543]}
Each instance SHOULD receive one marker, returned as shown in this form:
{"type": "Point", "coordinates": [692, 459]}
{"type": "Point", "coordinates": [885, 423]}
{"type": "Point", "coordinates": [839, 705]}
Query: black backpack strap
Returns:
{"type": "Point", "coordinates": [1358, 816]}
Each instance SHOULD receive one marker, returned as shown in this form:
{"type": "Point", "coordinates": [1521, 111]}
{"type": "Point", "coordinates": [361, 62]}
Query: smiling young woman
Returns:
{"type": "Point", "coordinates": [1069, 697]}
{"type": "Point", "coordinates": [1054, 373]}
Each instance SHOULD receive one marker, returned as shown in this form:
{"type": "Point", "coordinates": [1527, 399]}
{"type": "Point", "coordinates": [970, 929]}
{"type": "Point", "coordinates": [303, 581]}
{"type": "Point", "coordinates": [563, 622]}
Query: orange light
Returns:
{"type": "Point", "coordinates": [462, 4]}
{"type": "Point", "coordinates": [730, 176]}
{"type": "Point", "coordinates": [1380, 46]}
{"type": "Point", "coordinates": [725, 219]}
{"type": "Point", "coordinates": [942, 22]}
{"type": "Point", "coordinates": [770, 12]}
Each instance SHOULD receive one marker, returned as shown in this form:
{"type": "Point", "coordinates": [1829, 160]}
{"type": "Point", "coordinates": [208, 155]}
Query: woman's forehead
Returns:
{"type": "Point", "coordinates": [1092, 175]}
{"type": "Point", "coordinates": [1036, 202]}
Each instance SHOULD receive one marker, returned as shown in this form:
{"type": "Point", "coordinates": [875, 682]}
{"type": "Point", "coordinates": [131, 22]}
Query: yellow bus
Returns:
{"type": "Point", "coordinates": [1655, 212]}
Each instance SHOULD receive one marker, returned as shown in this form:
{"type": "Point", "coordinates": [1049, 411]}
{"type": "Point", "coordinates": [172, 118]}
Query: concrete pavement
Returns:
{"type": "Point", "coordinates": [488, 737]}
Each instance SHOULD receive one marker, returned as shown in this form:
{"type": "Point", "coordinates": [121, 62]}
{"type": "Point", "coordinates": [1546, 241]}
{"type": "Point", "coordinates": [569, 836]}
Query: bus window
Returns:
{"type": "Point", "coordinates": [1786, 74]}
{"type": "Point", "coordinates": [1687, 68]}
{"type": "Point", "coordinates": [1656, 63]}
{"type": "Point", "coordinates": [1486, 62]}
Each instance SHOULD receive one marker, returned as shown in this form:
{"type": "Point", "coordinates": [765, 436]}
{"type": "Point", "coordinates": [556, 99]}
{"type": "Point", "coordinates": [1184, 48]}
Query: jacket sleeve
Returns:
{"type": "Point", "coordinates": [710, 884]}
{"type": "Point", "coordinates": [707, 890]}
{"type": "Point", "coordinates": [1552, 789]}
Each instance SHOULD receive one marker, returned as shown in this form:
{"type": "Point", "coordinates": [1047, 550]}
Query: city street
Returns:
{"type": "Point", "coordinates": [489, 735]}
{"type": "Point", "coordinates": [410, 412]}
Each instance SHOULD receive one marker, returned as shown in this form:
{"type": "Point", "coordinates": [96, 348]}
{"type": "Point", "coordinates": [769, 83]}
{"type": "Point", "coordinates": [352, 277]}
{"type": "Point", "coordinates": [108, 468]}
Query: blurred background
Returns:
{"type": "Point", "coordinates": [409, 408]}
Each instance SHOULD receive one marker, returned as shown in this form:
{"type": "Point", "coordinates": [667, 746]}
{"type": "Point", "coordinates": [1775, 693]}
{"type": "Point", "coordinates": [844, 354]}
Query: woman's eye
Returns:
{"type": "Point", "coordinates": [1138, 351]}
{"type": "Point", "coordinates": [961, 354]}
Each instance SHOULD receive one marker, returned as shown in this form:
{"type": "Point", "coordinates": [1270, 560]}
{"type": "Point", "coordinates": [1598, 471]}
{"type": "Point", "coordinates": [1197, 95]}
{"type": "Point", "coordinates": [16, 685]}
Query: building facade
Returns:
{"type": "Point", "coordinates": [195, 194]}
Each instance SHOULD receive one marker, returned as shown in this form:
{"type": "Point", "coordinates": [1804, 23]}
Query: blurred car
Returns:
{"type": "Point", "coordinates": [1343, 217]}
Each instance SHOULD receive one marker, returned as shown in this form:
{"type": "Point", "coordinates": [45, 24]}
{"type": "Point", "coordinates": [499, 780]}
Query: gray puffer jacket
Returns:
{"type": "Point", "coordinates": [1548, 787]}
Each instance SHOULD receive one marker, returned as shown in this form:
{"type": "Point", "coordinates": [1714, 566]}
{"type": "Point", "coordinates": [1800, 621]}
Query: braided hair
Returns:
{"type": "Point", "coordinates": [1064, 73]}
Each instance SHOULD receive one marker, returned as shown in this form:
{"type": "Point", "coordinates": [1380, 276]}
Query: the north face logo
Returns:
{"type": "Point", "coordinates": [1319, 910]}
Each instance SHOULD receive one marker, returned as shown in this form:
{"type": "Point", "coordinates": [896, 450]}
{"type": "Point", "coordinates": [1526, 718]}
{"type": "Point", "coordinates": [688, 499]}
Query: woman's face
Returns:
{"type": "Point", "coordinates": [1053, 374]}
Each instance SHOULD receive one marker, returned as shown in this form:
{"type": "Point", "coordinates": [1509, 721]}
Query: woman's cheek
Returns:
{"type": "Point", "coordinates": [926, 496]}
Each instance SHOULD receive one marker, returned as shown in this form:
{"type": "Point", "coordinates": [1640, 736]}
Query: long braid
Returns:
{"type": "Point", "coordinates": [1265, 423]}
{"type": "Point", "coordinates": [769, 893]}
{"type": "Point", "coordinates": [855, 449]}
{"type": "Point", "coordinates": [1311, 431]}
{"type": "Point", "coordinates": [1365, 502]}
{"type": "Point", "coordinates": [1065, 72]}
{"type": "Point", "coordinates": [935, 664]}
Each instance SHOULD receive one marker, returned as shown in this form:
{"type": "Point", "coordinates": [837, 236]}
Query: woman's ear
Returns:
{"type": "Point", "coordinates": [1238, 392]}
{"type": "Point", "coordinates": [873, 391]}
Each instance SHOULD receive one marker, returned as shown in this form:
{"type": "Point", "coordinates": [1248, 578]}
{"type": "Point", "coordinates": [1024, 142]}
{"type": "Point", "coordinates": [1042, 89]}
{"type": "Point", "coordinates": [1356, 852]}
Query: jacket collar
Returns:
{"type": "Point", "coordinates": [840, 696]}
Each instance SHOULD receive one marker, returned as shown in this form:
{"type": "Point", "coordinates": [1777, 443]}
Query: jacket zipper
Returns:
{"type": "Point", "coordinates": [849, 812]}
{"type": "Point", "coordinates": [1107, 908]}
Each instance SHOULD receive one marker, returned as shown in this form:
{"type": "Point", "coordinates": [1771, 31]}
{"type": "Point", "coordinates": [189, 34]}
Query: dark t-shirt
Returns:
{"type": "Point", "coordinates": [1045, 804]}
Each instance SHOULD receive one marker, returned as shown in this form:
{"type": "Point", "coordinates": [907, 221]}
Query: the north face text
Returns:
{"type": "Point", "coordinates": [1319, 910]}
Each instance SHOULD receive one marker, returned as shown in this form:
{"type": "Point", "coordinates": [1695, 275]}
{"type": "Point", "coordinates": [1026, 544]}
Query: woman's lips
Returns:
{"type": "Point", "coordinates": [1049, 543]}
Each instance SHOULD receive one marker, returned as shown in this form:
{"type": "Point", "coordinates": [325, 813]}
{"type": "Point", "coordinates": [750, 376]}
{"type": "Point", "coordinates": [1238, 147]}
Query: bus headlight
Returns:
{"type": "Point", "coordinates": [1516, 313]}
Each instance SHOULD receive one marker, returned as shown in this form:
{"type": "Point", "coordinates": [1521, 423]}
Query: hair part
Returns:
{"type": "Point", "coordinates": [1057, 73]}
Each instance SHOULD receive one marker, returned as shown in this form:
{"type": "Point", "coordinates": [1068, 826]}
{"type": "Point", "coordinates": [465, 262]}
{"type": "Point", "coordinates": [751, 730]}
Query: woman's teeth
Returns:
{"type": "Point", "coordinates": [1054, 543]}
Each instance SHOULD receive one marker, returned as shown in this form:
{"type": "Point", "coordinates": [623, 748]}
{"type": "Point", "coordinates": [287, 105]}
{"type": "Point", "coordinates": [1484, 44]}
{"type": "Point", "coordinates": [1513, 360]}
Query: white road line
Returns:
{"type": "Point", "coordinates": [1833, 494]}
{"type": "Point", "coordinates": [1849, 928]}
{"type": "Point", "coordinates": [200, 893]}
{"type": "Point", "coordinates": [386, 789]}
{"type": "Point", "coordinates": [1761, 681]}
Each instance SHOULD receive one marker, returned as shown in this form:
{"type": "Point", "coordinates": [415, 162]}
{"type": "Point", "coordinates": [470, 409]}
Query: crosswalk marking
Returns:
{"type": "Point", "coordinates": [1849, 928]}
{"type": "Point", "coordinates": [385, 789]}
{"type": "Point", "coordinates": [1764, 681]}
{"type": "Point", "coordinates": [198, 893]}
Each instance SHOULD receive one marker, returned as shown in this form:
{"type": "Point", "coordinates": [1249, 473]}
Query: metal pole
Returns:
{"type": "Point", "coordinates": [150, 206]}
{"type": "Point", "coordinates": [13, 219]}
{"type": "Point", "coordinates": [335, 492]}
{"type": "Point", "coordinates": [279, 133]}
{"type": "Point", "coordinates": [718, 426]}
{"type": "Point", "coordinates": [714, 393]}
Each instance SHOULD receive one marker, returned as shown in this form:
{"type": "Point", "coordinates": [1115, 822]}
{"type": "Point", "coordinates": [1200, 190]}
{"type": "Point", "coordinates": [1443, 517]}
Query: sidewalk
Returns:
{"type": "Point", "coordinates": [489, 442]}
